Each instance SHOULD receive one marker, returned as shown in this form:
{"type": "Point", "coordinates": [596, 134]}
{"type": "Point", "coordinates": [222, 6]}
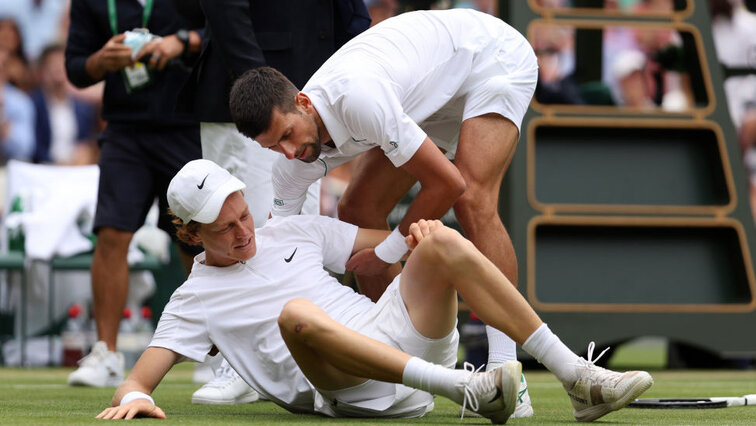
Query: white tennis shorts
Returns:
{"type": "Point", "coordinates": [502, 81]}
{"type": "Point", "coordinates": [389, 322]}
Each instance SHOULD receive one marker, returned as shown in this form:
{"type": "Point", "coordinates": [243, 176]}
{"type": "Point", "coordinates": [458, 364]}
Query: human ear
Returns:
{"type": "Point", "coordinates": [303, 101]}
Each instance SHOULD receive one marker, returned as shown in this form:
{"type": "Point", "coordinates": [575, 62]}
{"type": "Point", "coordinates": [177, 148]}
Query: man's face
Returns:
{"type": "Point", "coordinates": [293, 134]}
{"type": "Point", "coordinates": [231, 238]}
{"type": "Point", "coordinates": [53, 72]}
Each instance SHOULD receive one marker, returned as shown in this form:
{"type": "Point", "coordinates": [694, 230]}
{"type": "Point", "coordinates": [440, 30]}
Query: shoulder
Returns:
{"type": "Point", "coordinates": [17, 98]}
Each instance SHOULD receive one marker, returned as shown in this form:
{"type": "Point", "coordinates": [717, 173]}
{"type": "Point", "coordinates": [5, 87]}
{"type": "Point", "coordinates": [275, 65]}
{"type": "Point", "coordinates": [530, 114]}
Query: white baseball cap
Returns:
{"type": "Point", "coordinates": [199, 189]}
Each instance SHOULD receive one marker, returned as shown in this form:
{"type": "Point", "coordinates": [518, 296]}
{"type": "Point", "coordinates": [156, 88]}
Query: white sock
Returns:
{"type": "Point", "coordinates": [546, 347]}
{"type": "Point", "coordinates": [434, 378]}
{"type": "Point", "coordinates": [501, 348]}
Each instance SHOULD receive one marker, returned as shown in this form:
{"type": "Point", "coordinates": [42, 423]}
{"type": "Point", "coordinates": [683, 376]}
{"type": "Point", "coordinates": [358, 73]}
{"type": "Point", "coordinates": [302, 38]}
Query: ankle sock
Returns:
{"type": "Point", "coordinates": [549, 350]}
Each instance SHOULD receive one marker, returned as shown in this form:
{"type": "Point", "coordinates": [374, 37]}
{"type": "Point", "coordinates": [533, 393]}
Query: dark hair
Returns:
{"type": "Point", "coordinates": [255, 94]}
{"type": "Point", "coordinates": [49, 50]}
{"type": "Point", "coordinates": [19, 51]}
{"type": "Point", "coordinates": [184, 231]}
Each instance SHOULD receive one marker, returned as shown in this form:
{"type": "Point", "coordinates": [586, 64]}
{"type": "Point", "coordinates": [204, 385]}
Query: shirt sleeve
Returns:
{"type": "Point", "coordinates": [379, 119]}
{"type": "Point", "coordinates": [335, 237]}
{"type": "Point", "coordinates": [291, 179]}
{"type": "Point", "coordinates": [84, 39]}
{"type": "Point", "coordinates": [183, 327]}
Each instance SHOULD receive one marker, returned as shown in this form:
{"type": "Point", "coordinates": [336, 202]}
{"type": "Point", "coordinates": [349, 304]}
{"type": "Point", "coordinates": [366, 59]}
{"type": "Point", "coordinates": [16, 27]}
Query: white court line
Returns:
{"type": "Point", "coordinates": [61, 385]}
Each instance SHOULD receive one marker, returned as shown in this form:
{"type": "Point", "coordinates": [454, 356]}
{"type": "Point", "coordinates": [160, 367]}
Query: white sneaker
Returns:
{"type": "Point", "coordinates": [599, 391]}
{"type": "Point", "coordinates": [492, 394]}
{"type": "Point", "coordinates": [227, 388]}
{"type": "Point", "coordinates": [101, 368]}
{"type": "Point", "coordinates": [524, 407]}
{"type": "Point", "coordinates": [205, 371]}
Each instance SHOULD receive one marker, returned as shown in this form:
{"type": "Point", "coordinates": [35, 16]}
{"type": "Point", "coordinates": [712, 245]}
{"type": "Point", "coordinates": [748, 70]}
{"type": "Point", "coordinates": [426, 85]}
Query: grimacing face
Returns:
{"type": "Point", "coordinates": [293, 134]}
{"type": "Point", "coordinates": [231, 237]}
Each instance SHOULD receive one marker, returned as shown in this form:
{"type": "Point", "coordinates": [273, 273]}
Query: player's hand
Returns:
{"type": "Point", "coordinates": [138, 407]}
{"type": "Point", "coordinates": [115, 55]}
{"type": "Point", "coordinates": [161, 51]}
{"type": "Point", "coordinates": [419, 230]}
{"type": "Point", "coordinates": [365, 262]}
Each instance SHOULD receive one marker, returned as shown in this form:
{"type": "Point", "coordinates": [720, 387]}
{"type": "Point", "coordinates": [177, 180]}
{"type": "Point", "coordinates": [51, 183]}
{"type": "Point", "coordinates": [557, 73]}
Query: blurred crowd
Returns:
{"type": "Point", "coordinates": [43, 118]}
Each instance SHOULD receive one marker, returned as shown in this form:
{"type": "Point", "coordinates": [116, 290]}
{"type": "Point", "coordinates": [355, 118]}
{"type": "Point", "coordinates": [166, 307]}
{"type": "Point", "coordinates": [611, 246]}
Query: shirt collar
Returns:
{"type": "Point", "coordinates": [339, 133]}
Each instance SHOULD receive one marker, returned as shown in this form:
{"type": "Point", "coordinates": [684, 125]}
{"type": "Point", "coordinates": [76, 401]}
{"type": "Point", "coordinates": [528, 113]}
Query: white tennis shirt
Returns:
{"type": "Point", "coordinates": [236, 307]}
{"type": "Point", "coordinates": [389, 85]}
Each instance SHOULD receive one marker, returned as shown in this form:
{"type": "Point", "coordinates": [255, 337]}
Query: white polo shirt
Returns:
{"type": "Point", "coordinates": [236, 307]}
{"type": "Point", "coordinates": [396, 84]}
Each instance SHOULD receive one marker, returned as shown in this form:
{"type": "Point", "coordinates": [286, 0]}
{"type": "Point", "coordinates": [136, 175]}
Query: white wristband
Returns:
{"type": "Point", "coordinates": [392, 248]}
{"type": "Point", "coordinates": [136, 395]}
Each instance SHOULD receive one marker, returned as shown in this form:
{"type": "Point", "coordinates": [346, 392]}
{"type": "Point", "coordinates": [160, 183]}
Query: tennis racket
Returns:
{"type": "Point", "coordinates": [713, 402]}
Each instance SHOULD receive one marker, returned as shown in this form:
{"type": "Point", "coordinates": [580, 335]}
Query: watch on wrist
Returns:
{"type": "Point", "coordinates": [183, 36]}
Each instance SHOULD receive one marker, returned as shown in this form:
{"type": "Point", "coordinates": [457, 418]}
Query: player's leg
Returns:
{"type": "Point", "coordinates": [486, 146]}
{"type": "Point", "coordinates": [375, 188]}
{"type": "Point", "coordinates": [334, 357]}
{"type": "Point", "coordinates": [498, 105]}
{"type": "Point", "coordinates": [445, 259]}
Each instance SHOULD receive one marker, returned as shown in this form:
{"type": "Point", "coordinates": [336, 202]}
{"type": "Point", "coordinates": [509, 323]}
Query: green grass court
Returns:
{"type": "Point", "coordinates": [40, 396]}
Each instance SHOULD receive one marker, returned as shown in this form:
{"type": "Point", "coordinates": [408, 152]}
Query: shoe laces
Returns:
{"type": "Point", "coordinates": [471, 388]}
{"type": "Point", "coordinates": [224, 376]}
{"type": "Point", "coordinates": [94, 358]}
{"type": "Point", "coordinates": [597, 374]}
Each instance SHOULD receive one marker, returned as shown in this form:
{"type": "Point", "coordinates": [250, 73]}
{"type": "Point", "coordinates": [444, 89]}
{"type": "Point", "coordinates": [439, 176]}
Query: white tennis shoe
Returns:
{"type": "Point", "coordinates": [492, 394]}
{"type": "Point", "coordinates": [599, 391]}
{"type": "Point", "coordinates": [227, 388]}
{"type": "Point", "coordinates": [101, 368]}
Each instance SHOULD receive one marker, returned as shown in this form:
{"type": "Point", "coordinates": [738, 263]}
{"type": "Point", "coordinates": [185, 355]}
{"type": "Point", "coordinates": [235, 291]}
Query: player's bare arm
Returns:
{"type": "Point", "coordinates": [144, 378]}
{"type": "Point", "coordinates": [441, 185]}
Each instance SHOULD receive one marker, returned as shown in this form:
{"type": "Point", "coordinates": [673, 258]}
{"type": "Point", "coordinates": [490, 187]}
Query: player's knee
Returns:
{"type": "Point", "coordinates": [476, 206]}
{"type": "Point", "coordinates": [447, 247]}
{"type": "Point", "coordinates": [294, 315]}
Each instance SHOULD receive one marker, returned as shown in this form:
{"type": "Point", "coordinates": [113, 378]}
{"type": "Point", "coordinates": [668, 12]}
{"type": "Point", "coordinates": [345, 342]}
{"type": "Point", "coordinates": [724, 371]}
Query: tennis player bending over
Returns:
{"type": "Point", "coordinates": [263, 299]}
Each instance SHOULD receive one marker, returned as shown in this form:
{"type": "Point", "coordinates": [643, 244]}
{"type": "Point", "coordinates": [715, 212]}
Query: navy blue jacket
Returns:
{"type": "Point", "coordinates": [293, 36]}
{"type": "Point", "coordinates": [90, 30]}
{"type": "Point", "coordinates": [85, 125]}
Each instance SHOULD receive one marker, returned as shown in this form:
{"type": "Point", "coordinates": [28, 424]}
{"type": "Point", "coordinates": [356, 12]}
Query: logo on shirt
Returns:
{"type": "Point", "coordinates": [202, 184]}
{"type": "Point", "coordinates": [288, 259]}
{"type": "Point", "coordinates": [394, 144]}
{"type": "Point", "coordinates": [358, 140]}
{"type": "Point", "coordinates": [277, 201]}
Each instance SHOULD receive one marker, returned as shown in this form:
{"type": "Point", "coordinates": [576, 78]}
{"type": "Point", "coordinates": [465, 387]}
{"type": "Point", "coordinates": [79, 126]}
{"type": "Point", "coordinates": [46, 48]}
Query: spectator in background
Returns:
{"type": "Point", "coordinates": [16, 118]}
{"type": "Point", "coordinates": [295, 38]}
{"type": "Point", "coordinates": [16, 65]}
{"type": "Point", "coordinates": [145, 143]}
{"type": "Point", "coordinates": [634, 87]}
{"type": "Point", "coordinates": [40, 22]}
{"type": "Point", "coordinates": [555, 49]}
{"type": "Point", "coordinates": [65, 125]}
{"type": "Point", "coordinates": [734, 30]}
